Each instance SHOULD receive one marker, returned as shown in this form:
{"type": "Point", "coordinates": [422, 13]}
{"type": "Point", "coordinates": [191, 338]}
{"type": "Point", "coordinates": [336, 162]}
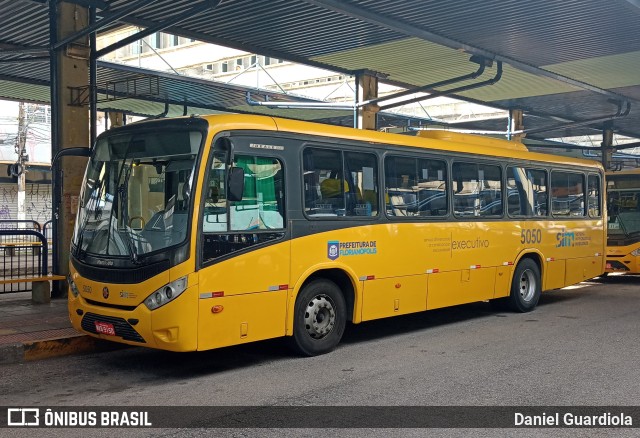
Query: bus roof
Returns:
{"type": "Point", "coordinates": [441, 134]}
{"type": "Point", "coordinates": [437, 140]}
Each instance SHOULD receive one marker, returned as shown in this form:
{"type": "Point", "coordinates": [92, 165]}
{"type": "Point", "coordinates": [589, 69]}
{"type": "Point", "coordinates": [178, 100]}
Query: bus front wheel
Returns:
{"type": "Point", "coordinates": [319, 318]}
{"type": "Point", "coordinates": [526, 286]}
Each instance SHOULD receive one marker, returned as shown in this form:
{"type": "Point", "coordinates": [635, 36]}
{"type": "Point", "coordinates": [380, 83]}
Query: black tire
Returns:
{"type": "Point", "coordinates": [526, 286]}
{"type": "Point", "coordinates": [320, 316]}
{"type": "Point", "coordinates": [499, 304]}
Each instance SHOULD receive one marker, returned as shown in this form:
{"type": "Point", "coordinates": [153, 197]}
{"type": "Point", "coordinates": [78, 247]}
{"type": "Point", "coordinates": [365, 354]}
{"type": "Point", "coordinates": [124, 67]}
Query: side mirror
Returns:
{"type": "Point", "coordinates": [73, 152]}
{"type": "Point", "coordinates": [236, 184]}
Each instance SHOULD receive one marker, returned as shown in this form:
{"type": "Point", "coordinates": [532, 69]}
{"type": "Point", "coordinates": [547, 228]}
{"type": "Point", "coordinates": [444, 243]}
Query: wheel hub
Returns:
{"type": "Point", "coordinates": [527, 285]}
{"type": "Point", "coordinates": [320, 317]}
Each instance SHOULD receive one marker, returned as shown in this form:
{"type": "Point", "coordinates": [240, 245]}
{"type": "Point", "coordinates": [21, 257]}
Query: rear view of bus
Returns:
{"type": "Point", "coordinates": [623, 231]}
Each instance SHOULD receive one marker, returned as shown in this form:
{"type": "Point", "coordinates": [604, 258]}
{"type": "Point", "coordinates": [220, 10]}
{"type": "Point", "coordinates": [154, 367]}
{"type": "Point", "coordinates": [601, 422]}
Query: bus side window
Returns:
{"type": "Point", "coordinates": [594, 195]}
{"type": "Point", "coordinates": [432, 187]}
{"type": "Point", "coordinates": [262, 203]}
{"type": "Point", "coordinates": [466, 195]}
{"type": "Point", "coordinates": [538, 178]}
{"type": "Point", "coordinates": [526, 192]}
{"type": "Point", "coordinates": [361, 172]}
{"type": "Point", "coordinates": [401, 186]}
{"type": "Point", "coordinates": [567, 194]}
{"type": "Point", "coordinates": [322, 192]}
{"type": "Point", "coordinates": [215, 203]}
{"type": "Point", "coordinates": [491, 192]}
{"type": "Point", "coordinates": [259, 217]}
{"type": "Point", "coordinates": [339, 183]}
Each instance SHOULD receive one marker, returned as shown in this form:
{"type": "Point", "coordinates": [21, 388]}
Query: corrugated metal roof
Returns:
{"type": "Point", "coordinates": [563, 59]}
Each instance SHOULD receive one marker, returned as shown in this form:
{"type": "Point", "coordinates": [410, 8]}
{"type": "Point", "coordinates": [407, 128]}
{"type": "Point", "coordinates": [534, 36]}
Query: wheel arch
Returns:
{"type": "Point", "coordinates": [342, 276]}
{"type": "Point", "coordinates": [534, 255]}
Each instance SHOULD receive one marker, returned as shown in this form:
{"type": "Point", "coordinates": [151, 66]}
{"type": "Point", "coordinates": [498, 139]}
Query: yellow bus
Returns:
{"type": "Point", "coordinates": [623, 221]}
{"type": "Point", "coordinates": [203, 232]}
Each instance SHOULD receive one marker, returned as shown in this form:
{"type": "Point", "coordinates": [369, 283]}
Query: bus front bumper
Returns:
{"type": "Point", "coordinates": [626, 264]}
{"type": "Point", "coordinates": [164, 328]}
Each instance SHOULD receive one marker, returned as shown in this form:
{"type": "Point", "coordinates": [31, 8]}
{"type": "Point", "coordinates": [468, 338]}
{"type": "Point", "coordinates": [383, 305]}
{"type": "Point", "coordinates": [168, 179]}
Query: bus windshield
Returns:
{"type": "Point", "coordinates": [623, 205]}
{"type": "Point", "coordinates": [136, 195]}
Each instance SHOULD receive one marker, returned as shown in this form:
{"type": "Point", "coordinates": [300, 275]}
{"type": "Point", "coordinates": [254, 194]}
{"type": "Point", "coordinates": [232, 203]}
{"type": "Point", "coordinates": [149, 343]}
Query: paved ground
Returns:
{"type": "Point", "coordinates": [580, 347]}
{"type": "Point", "coordinates": [30, 331]}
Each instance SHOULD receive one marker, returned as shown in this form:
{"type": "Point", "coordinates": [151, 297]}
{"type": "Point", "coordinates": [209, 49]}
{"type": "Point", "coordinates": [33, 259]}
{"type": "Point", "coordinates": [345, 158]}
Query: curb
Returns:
{"type": "Point", "coordinates": [44, 349]}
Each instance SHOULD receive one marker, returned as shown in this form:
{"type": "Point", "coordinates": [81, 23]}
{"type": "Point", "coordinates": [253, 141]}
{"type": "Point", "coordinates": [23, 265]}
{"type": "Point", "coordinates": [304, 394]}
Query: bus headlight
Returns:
{"type": "Point", "coordinates": [635, 252]}
{"type": "Point", "coordinates": [72, 285]}
{"type": "Point", "coordinates": [166, 293]}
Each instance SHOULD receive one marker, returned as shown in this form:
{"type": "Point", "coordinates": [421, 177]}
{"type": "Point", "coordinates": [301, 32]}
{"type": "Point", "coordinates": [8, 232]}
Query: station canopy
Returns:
{"type": "Point", "coordinates": [572, 66]}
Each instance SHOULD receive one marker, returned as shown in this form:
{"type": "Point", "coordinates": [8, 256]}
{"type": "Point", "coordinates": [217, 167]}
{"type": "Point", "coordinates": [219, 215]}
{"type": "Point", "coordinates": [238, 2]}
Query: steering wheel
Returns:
{"type": "Point", "coordinates": [140, 218]}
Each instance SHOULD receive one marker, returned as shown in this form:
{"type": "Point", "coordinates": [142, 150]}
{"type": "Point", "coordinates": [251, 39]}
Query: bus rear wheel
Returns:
{"type": "Point", "coordinates": [526, 286]}
{"type": "Point", "coordinates": [319, 318]}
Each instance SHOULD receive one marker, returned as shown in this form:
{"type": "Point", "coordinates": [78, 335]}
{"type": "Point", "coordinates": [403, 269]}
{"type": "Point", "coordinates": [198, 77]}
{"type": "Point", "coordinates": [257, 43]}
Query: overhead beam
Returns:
{"type": "Point", "coordinates": [430, 87]}
{"type": "Point", "coordinates": [628, 146]}
{"type": "Point", "coordinates": [105, 21]}
{"type": "Point", "coordinates": [410, 30]}
{"type": "Point", "coordinates": [451, 92]}
{"type": "Point", "coordinates": [25, 60]}
{"type": "Point", "coordinates": [6, 49]}
{"type": "Point", "coordinates": [29, 81]}
{"type": "Point", "coordinates": [208, 4]}
{"type": "Point", "coordinates": [100, 4]}
{"type": "Point", "coordinates": [619, 114]}
{"type": "Point", "coordinates": [251, 48]}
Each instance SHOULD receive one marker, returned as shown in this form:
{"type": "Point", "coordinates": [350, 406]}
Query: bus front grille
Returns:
{"type": "Point", "coordinates": [615, 264]}
{"type": "Point", "coordinates": [122, 327]}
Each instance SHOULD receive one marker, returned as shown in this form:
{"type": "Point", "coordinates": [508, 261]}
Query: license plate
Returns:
{"type": "Point", "coordinates": [105, 328]}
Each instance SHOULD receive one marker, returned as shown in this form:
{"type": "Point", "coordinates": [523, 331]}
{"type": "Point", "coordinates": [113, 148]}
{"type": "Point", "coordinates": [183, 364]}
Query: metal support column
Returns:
{"type": "Point", "coordinates": [93, 80]}
{"type": "Point", "coordinates": [55, 135]}
{"type": "Point", "coordinates": [70, 127]}
{"type": "Point", "coordinates": [606, 146]}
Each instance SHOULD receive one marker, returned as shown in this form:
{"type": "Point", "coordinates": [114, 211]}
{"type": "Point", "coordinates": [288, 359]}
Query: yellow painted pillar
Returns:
{"type": "Point", "coordinates": [516, 123]}
{"type": "Point", "coordinates": [115, 119]}
{"type": "Point", "coordinates": [367, 89]}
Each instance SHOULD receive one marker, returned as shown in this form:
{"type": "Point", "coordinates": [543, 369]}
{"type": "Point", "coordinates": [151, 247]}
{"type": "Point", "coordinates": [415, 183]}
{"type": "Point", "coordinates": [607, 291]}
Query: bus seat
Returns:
{"type": "Point", "coordinates": [330, 188]}
{"type": "Point", "coordinates": [371, 196]}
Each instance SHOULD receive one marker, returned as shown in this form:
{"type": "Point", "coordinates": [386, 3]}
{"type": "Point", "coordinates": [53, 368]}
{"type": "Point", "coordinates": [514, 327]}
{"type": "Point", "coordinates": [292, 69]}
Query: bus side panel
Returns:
{"type": "Point", "coordinates": [503, 285]}
{"type": "Point", "coordinates": [251, 289]}
{"type": "Point", "coordinates": [554, 278]}
{"type": "Point", "coordinates": [583, 268]}
{"type": "Point", "coordinates": [241, 319]}
{"type": "Point", "coordinates": [460, 287]}
{"type": "Point", "coordinates": [394, 296]}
